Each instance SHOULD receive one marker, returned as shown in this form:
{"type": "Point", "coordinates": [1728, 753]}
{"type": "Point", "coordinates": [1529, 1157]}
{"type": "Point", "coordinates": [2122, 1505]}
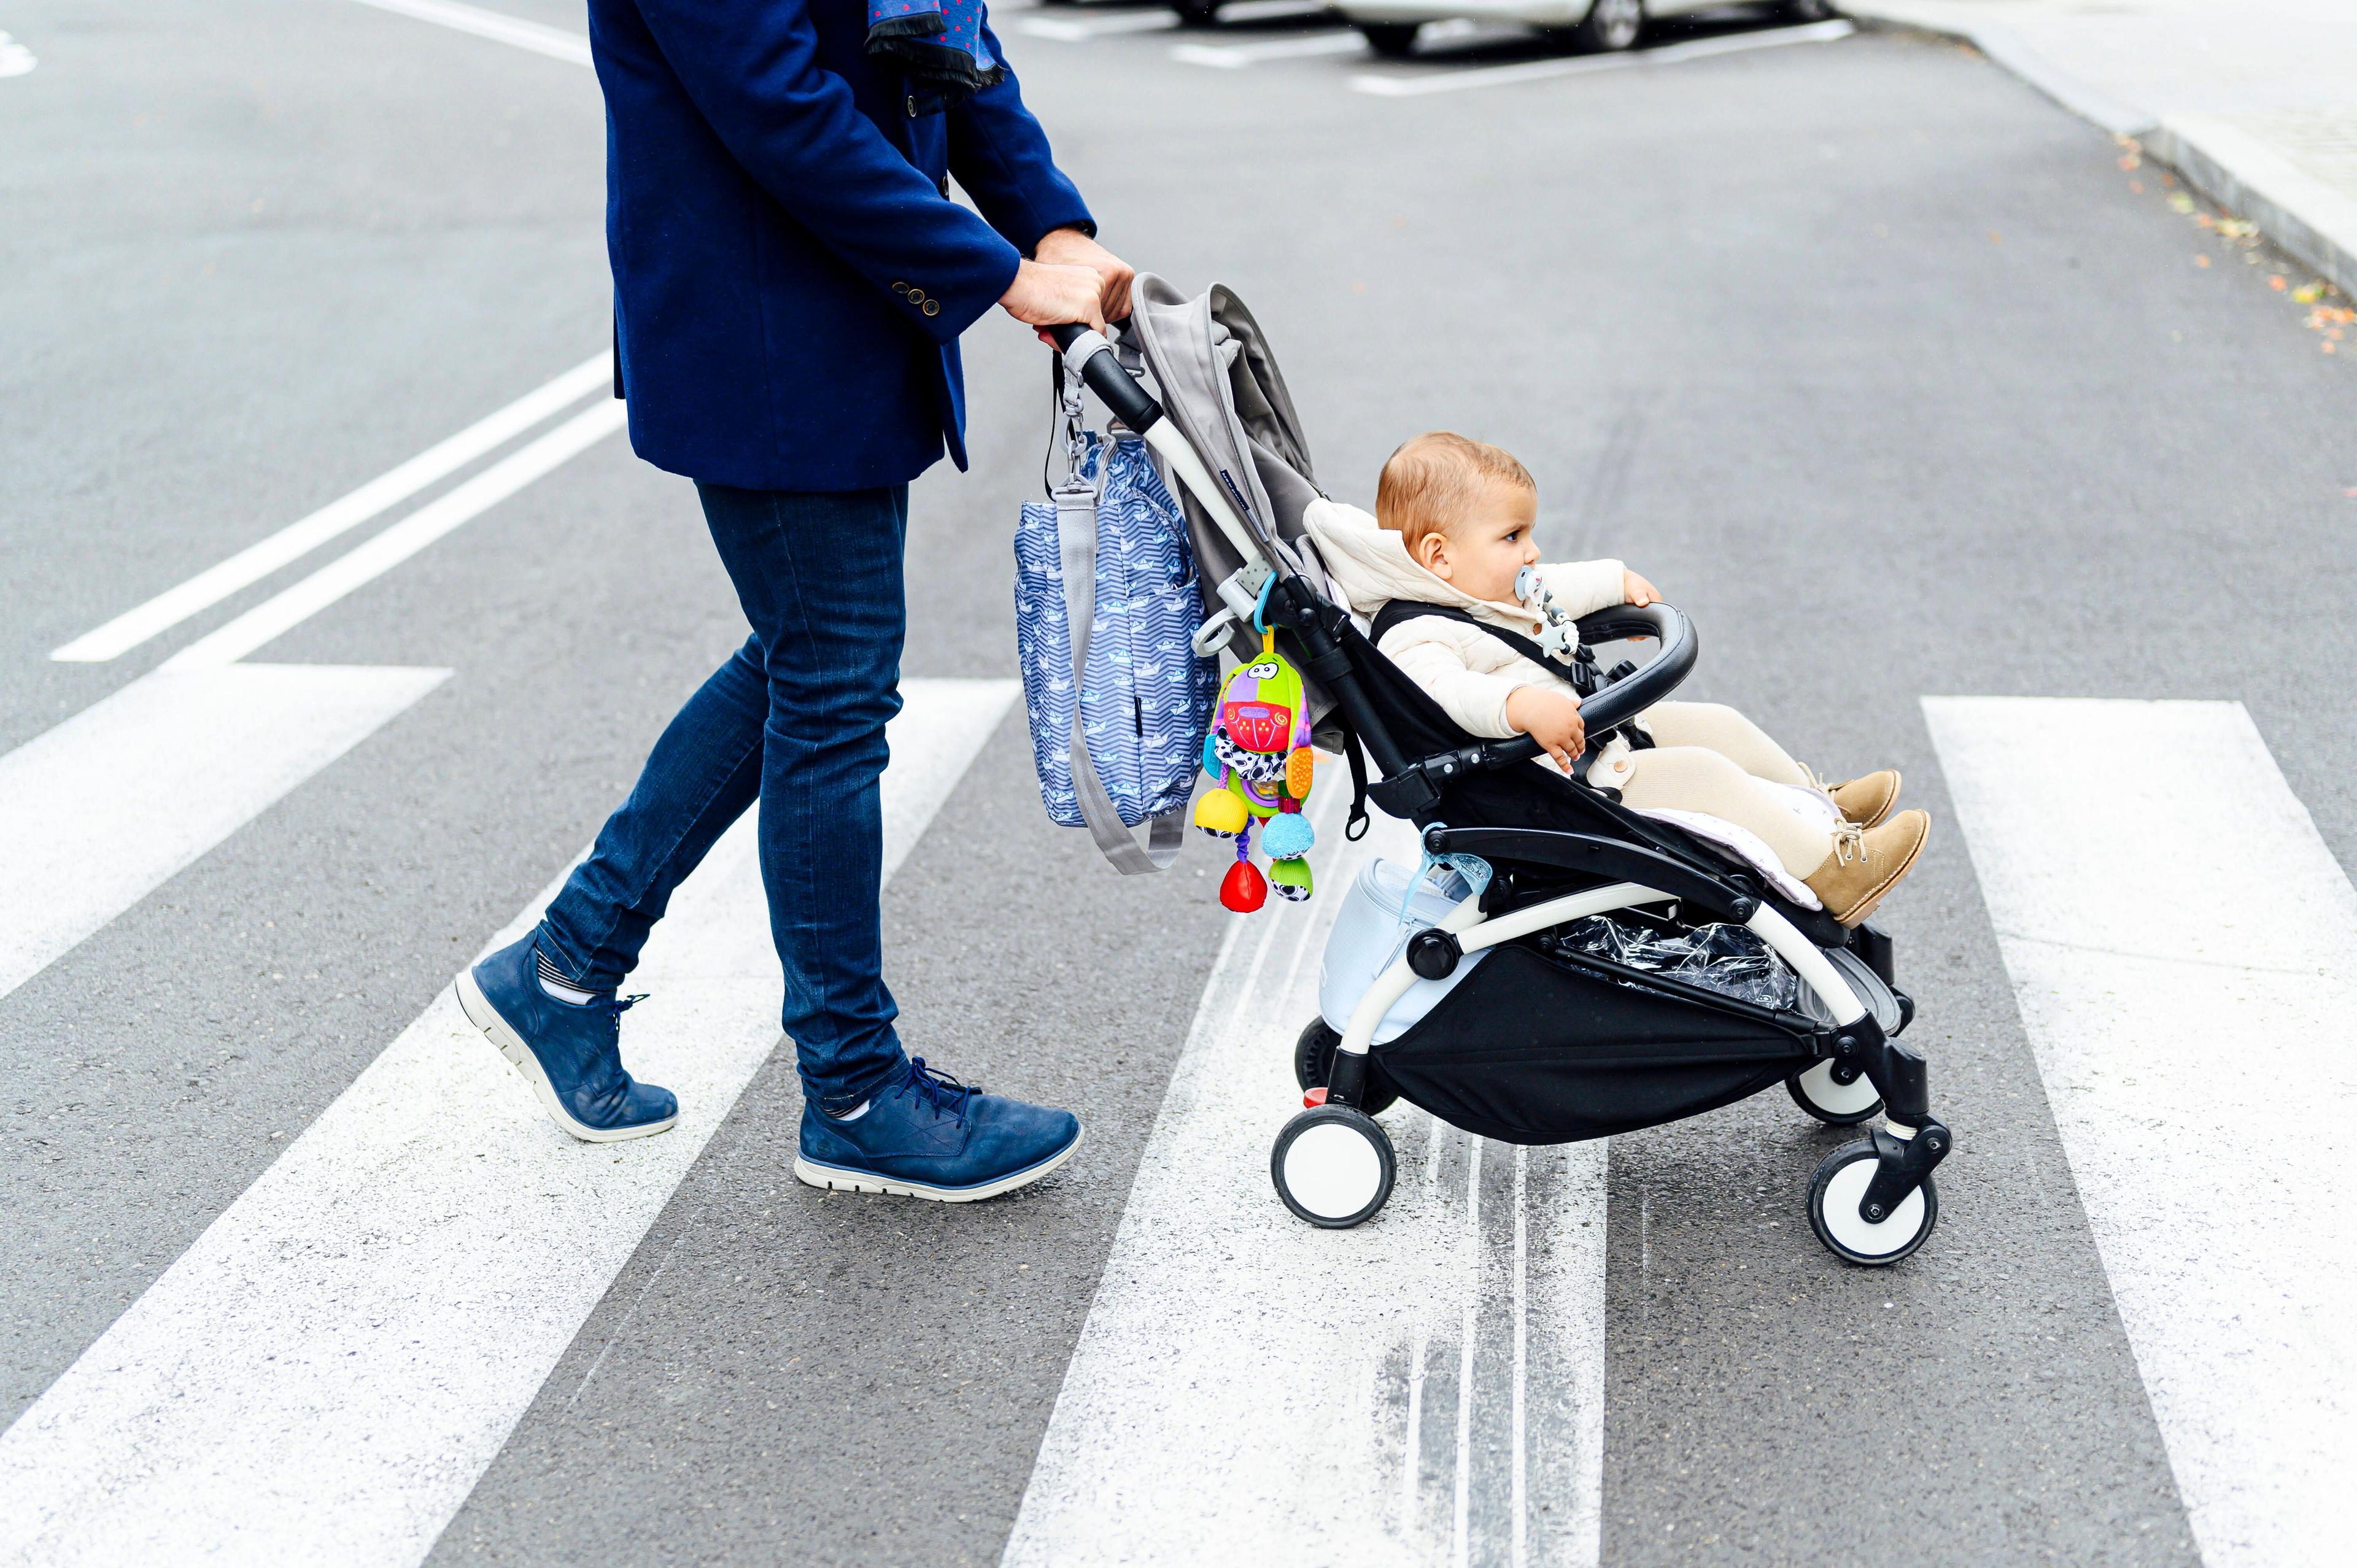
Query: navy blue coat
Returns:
{"type": "Point", "coordinates": [790, 274]}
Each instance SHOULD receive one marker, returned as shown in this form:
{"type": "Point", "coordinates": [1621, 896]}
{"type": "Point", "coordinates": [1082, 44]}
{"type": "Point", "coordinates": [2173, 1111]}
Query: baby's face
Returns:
{"type": "Point", "coordinates": [1482, 551]}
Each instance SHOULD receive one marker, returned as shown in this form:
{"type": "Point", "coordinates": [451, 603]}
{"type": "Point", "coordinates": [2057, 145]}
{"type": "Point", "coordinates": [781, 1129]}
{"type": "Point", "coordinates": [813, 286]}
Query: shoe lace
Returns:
{"type": "Point", "coordinates": [1849, 843]}
{"type": "Point", "coordinates": [946, 1095]}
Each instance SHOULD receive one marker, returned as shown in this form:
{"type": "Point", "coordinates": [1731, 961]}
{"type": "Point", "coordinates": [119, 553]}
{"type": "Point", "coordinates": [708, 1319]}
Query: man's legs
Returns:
{"type": "Point", "coordinates": [820, 579]}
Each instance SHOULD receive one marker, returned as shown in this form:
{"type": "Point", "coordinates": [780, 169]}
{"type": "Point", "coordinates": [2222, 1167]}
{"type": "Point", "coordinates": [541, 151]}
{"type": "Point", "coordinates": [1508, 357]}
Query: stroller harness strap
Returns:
{"type": "Point", "coordinates": [1398, 612]}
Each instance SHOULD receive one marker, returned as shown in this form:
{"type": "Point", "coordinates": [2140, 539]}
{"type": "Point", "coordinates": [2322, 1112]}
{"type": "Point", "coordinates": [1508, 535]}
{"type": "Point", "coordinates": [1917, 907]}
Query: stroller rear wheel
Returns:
{"type": "Point", "coordinates": [1833, 1199]}
{"type": "Point", "coordinates": [1333, 1166]}
{"type": "Point", "coordinates": [1821, 1092]}
{"type": "Point", "coordinates": [1313, 1066]}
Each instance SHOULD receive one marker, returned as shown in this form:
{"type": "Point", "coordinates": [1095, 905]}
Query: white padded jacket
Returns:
{"type": "Point", "coordinates": [1471, 675]}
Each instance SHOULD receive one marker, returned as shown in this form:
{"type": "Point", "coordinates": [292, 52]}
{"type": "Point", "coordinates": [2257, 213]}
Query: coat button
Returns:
{"type": "Point", "coordinates": [913, 106]}
{"type": "Point", "coordinates": [933, 307]}
{"type": "Point", "coordinates": [900, 288]}
{"type": "Point", "coordinates": [945, 185]}
{"type": "Point", "coordinates": [916, 296]}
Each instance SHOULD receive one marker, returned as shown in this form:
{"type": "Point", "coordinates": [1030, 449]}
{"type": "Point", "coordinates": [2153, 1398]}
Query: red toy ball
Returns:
{"type": "Point", "coordinates": [1243, 888]}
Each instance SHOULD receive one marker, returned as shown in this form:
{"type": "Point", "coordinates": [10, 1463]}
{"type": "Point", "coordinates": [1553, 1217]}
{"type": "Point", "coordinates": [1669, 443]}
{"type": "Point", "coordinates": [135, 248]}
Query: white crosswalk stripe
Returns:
{"type": "Point", "coordinates": [324, 1374]}
{"type": "Point", "coordinates": [1428, 1388]}
{"type": "Point", "coordinates": [2181, 943]}
{"type": "Point", "coordinates": [101, 810]}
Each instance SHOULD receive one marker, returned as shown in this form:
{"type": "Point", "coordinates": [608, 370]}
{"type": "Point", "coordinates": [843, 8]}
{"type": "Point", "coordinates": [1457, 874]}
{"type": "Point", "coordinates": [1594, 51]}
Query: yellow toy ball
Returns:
{"type": "Point", "coordinates": [1221, 813]}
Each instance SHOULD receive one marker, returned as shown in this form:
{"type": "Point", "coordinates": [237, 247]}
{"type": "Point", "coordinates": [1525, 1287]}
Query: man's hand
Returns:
{"type": "Point", "coordinates": [1552, 718]}
{"type": "Point", "coordinates": [1071, 248]}
{"type": "Point", "coordinates": [1635, 590]}
{"type": "Point", "coordinates": [1046, 295]}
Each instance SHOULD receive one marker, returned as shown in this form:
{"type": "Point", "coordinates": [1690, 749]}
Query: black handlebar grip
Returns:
{"type": "Point", "coordinates": [1624, 700]}
{"type": "Point", "coordinates": [1116, 387]}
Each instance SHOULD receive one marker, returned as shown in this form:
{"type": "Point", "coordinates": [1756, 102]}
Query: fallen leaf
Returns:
{"type": "Point", "coordinates": [2308, 293]}
{"type": "Point", "coordinates": [2129, 161]}
{"type": "Point", "coordinates": [2277, 283]}
{"type": "Point", "coordinates": [2200, 260]}
{"type": "Point", "coordinates": [2136, 187]}
{"type": "Point", "coordinates": [2181, 202]}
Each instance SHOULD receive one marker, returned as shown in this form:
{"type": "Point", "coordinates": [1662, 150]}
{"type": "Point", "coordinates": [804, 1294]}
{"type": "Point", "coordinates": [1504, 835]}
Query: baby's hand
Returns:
{"type": "Point", "coordinates": [1635, 590]}
{"type": "Point", "coordinates": [1552, 718]}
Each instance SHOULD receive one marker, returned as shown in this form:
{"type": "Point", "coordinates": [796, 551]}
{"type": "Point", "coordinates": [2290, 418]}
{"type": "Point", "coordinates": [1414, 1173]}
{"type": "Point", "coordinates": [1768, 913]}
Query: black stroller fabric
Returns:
{"type": "Point", "coordinates": [1532, 1050]}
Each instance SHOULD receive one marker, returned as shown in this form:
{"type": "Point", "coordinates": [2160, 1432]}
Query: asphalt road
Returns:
{"type": "Point", "coordinates": [1866, 353]}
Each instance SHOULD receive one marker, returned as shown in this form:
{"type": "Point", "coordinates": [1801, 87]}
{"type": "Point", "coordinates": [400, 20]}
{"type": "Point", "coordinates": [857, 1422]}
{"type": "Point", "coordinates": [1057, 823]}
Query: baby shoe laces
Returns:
{"type": "Point", "coordinates": [1849, 843]}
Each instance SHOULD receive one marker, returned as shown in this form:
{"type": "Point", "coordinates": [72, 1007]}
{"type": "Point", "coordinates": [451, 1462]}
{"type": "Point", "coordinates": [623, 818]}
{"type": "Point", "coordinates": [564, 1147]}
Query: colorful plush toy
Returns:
{"type": "Point", "coordinates": [1258, 752]}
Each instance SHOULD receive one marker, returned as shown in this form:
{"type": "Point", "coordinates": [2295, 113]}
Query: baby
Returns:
{"type": "Point", "coordinates": [1454, 527]}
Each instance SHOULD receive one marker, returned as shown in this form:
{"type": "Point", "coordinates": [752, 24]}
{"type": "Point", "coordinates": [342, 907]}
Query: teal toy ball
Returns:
{"type": "Point", "coordinates": [1287, 836]}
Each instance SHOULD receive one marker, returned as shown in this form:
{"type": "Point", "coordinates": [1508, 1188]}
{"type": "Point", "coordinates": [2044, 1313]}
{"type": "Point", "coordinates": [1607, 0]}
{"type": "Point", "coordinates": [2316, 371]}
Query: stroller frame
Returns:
{"type": "Point", "coordinates": [1871, 1202]}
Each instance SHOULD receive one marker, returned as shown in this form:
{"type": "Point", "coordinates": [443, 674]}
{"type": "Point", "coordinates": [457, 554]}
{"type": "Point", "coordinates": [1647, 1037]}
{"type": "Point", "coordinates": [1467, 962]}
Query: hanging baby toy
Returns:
{"type": "Point", "coordinates": [1258, 751]}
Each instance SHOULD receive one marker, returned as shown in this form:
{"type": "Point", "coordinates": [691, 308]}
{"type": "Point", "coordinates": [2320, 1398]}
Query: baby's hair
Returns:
{"type": "Point", "coordinates": [1432, 478]}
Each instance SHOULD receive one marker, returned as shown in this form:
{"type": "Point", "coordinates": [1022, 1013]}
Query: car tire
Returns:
{"type": "Point", "coordinates": [1610, 26]}
{"type": "Point", "coordinates": [1197, 13]}
{"type": "Point", "coordinates": [1392, 40]}
{"type": "Point", "coordinates": [1807, 10]}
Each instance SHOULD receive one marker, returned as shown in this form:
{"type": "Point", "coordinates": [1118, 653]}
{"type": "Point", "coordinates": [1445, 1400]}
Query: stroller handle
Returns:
{"type": "Point", "coordinates": [1091, 357]}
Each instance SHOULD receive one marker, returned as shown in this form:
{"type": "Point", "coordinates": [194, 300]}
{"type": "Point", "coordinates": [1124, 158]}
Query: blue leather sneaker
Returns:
{"type": "Point", "coordinates": [572, 1056]}
{"type": "Point", "coordinates": [925, 1134]}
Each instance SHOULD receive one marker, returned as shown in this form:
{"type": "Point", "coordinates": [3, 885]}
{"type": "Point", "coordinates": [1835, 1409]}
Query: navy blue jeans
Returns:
{"type": "Point", "coordinates": [795, 719]}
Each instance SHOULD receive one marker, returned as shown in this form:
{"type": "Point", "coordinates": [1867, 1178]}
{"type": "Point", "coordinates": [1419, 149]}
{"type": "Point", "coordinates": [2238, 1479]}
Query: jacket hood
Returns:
{"type": "Point", "coordinates": [1371, 564]}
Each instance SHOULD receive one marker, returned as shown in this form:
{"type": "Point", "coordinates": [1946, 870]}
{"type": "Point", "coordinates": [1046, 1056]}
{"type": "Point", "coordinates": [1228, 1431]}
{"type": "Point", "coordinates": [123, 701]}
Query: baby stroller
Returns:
{"type": "Point", "coordinates": [1476, 1004]}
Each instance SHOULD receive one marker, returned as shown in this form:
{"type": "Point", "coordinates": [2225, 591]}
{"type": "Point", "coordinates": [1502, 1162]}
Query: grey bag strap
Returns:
{"type": "Point", "coordinates": [1076, 502]}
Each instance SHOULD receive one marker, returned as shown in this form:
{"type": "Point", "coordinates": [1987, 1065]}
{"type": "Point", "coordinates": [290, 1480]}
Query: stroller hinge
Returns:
{"type": "Point", "coordinates": [1900, 1165]}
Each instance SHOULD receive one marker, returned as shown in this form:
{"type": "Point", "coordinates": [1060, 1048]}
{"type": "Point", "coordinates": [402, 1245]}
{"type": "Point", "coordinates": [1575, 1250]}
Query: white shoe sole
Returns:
{"type": "Point", "coordinates": [486, 1017]}
{"type": "Point", "coordinates": [835, 1178]}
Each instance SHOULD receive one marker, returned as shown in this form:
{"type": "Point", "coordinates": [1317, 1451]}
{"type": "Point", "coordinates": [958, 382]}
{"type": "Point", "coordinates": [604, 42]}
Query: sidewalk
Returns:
{"type": "Point", "coordinates": [2254, 101]}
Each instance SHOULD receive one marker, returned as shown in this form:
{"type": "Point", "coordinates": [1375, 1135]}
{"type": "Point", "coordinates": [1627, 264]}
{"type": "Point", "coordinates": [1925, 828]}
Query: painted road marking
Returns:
{"type": "Point", "coordinates": [257, 561]}
{"type": "Point", "coordinates": [1427, 1388]}
{"type": "Point", "coordinates": [1160, 20]}
{"type": "Point", "coordinates": [100, 812]}
{"type": "Point", "coordinates": [325, 1374]}
{"type": "Point", "coordinates": [16, 59]}
{"type": "Point", "coordinates": [556, 43]}
{"type": "Point", "coordinates": [1419, 84]}
{"type": "Point", "coordinates": [290, 608]}
{"type": "Point", "coordinates": [2183, 948]}
{"type": "Point", "coordinates": [1236, 56]}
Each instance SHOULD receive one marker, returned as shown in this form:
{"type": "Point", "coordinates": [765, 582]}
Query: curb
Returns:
{"type": "Point", "coordinates": [2227, 164]}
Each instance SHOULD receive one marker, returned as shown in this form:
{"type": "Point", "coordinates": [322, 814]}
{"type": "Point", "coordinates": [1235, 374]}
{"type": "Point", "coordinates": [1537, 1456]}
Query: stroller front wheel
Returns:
{"type": "Point", "coordinates": [1823, 1095]}
{"type": "Point", "coordinates": [1333, 1166]}
{"type": "Point", "coordinates": [1833, 1199]}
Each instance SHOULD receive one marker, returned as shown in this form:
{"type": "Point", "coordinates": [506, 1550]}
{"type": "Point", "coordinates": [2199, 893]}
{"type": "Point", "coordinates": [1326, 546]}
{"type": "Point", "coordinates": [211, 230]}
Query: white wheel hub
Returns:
{"type": "Point", "coordinates": [1853, 1230]}
{"type": "Point", "coordinates": [1852, 1098]}
{"type": "Point", "coordinates": [1333, 1171]}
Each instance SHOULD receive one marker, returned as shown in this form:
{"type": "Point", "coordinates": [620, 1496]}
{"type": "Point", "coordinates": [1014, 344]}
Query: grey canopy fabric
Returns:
{"type": "Point", "coordinates": [1219, 384]}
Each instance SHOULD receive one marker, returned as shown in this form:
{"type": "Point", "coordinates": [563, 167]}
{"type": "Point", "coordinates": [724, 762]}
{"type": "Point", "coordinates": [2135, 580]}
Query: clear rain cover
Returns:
{"type": "Point", "coordinates": [1730, 959]}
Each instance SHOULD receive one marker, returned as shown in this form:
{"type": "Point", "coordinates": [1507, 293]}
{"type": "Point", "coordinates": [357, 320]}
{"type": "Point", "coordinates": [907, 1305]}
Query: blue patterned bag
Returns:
{"type": "Point", "coordinates": [1109, 554]}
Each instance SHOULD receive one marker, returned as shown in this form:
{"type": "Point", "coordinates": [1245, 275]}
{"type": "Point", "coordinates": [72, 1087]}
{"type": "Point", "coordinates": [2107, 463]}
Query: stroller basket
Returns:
{"type": "Point", "coordinates": [1538, 1044]}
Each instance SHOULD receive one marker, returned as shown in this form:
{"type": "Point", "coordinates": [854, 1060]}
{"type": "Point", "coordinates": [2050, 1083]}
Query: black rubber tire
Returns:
{"type": "Point", "coordinates": [1196, 12]}
{"type": "Point", "coordinates": [1366, 1127]}
{"type": "Point", "coordinates": [1830, 1118]}
{"type": "Point", "coordinates": [1807, 10]}
{"type": "Point", "coordinates": [1392, 40]}
{"type": "Point", "coordinates": [1602, 30]}
{"type": "Point", "coordinates": [1313, 1065]}
{"type": "Point", "coordinates": [1831, 1166]}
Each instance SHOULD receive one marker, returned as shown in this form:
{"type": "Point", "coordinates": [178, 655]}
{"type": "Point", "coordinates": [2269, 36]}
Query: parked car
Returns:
{"type": "Point", "coordinates": [1391, 25]}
